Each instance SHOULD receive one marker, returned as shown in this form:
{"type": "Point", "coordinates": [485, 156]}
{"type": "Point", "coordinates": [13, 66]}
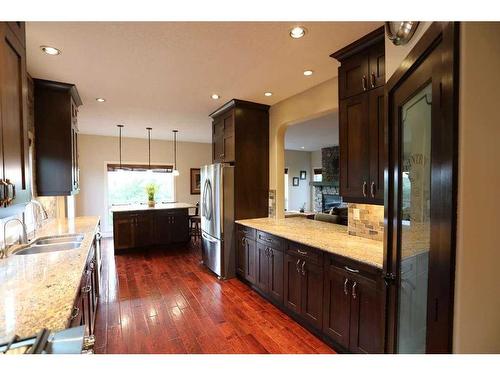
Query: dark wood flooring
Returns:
{"type": "Point", "coordinates": [165, 301]}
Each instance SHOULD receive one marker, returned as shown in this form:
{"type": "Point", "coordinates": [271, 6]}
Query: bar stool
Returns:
{"type": "Point", "coordinates": [195, 224]}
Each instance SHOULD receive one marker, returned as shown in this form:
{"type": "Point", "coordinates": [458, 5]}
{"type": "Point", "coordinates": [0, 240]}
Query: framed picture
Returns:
{"type": "Point", "coordinates": [295, 181]}
{"type": "Point", "coordinates": [195, 181]}
{"type": "Point", "coordinates": [303, 175]}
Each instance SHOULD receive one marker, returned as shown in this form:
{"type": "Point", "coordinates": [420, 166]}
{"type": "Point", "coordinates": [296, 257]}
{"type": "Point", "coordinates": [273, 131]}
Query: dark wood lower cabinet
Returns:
{"type": "Point", "coordinates": [338, 299]}
{"type": "Point", "coordinates": [135, 229]}
{"type": "Point", "coordinates": [86, 302]}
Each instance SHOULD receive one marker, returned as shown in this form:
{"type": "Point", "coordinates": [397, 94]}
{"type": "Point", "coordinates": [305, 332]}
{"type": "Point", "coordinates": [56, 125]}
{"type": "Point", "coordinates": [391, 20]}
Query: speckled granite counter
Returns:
{"type": "Point", "coordinates": [38, 290]}
{"type": "Point", "coordinates": [144, 207]}
{"type": "Point", "coordinates": [329, 237]}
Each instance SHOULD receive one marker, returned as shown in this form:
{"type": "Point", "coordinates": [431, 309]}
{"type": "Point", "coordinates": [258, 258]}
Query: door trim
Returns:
{"type": "Point", "coordinates": [446, 36]}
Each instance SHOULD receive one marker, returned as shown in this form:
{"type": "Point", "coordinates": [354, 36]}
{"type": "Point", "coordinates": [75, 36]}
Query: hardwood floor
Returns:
{"type": "Point", "coordinates": [165, 301]}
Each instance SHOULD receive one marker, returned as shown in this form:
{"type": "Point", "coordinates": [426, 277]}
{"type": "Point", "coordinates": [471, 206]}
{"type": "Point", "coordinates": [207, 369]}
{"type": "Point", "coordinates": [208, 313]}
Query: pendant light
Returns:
{"type": "Point", "coordinates": [120, 144]}
{"type": "Point", "coordinates": [175, 171]}
{"type": "Point", "coordinates": [149, 148]}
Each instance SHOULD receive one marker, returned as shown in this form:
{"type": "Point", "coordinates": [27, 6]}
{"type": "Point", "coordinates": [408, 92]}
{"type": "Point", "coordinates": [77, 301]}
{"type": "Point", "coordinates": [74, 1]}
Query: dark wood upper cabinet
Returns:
{"type": "Point", "coordinates": [15, 186]}
{"type": "Point", "coordinates": [19, 30]}
{"type": "Point", "coordinates": [361, 119]}
{"type": "Point", "coordinates": [240, 136]}
{"type": "Point", "coordinates": [56, 138]}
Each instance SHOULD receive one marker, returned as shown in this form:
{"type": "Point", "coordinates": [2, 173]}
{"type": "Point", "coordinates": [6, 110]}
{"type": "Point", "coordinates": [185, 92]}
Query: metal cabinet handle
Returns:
{"type": "Point", "coordinates": [345, 285]}
{"type": "Point", "coordinates": [302, 252]}
{"type": "Point", "coordinates": [74, 314]}
{"type": "Point", "coordinates": [271, 254]}
{"type": "Point", "coordinates": [372, 189]}
{"type": "Point", "coordinates": [243, 241]}
{"type": "Point", "coordinates": [373, 78]}
{"type": "Point", "coordinates": [351, 269]}
{"type": "Point", "coordinates": [86, 289]}
{"type": "Point", "coordinates": [297, 267]}
{"type": "Point", "coordinates": [303, 269]}
{"type": "Point", "coordinates": [354, 295]}
{"type": "Point", "coordinates": [364, 188]}
{"type": "Point", "coordinates": [266, 251]}
{"type": "Point", "coordinates": [363, 82]}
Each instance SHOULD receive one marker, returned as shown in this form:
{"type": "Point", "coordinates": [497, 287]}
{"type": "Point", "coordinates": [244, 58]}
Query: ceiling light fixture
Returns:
{"type": "Point", "coordinates": [100, 100]}
{"type": "Point", "coordinates": [215, 96]}
{"type": "Point", "coordinates": [308, 73]}
{"type": "Point", "coordinates": [268, 94]}
{"type": "Point", "coordinates": [50, 50]}
{"type": "Point", "coordinates": [120, 127]}
{"type": "Point", "coordinates": [297, 32]}
{"type": "Point", "coordinates": [175, 172]}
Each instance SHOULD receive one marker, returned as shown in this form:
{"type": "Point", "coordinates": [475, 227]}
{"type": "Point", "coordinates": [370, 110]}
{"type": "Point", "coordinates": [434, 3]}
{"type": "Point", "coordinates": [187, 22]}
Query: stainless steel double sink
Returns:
{"type": "Point", "coordinates": [52, 243]}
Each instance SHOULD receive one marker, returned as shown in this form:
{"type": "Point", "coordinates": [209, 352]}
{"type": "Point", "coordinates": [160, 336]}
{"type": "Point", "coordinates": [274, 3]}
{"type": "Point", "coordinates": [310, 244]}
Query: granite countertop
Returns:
{"type": "Point", "coordinates": [332, 238]}
{"type": "Point", "coordinates": [38, 290]}
{"type": "Point", "coordinates": [145, 207]}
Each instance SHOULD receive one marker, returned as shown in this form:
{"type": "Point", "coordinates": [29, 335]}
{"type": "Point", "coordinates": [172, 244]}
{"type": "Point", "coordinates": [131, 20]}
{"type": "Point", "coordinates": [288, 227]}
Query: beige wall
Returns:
{"type": "Point", "coordinates": [477, 287]}
{"type": "Point", "coordinates": [95, 151]}
{"type": "Point", "coordinates": [312, 103]}
{"type": "Point", "coordinates": [298, 196]}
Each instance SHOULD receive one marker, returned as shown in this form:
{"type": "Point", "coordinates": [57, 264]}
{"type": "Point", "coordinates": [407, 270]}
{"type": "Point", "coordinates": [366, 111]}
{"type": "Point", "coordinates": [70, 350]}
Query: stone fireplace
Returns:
{"type": "Point", "coordinates": [326, 192]}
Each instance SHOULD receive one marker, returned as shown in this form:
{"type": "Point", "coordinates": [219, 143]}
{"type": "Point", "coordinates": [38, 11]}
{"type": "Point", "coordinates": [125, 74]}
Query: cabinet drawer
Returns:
{"type": "Point", "coordinates": [353, 267]}
{"type": "Point", "coordinates": [270, 240]}
{"type": "Point", "coordinates": [313, 255]}
{"type": "Point", "coordinates": [247, 232]}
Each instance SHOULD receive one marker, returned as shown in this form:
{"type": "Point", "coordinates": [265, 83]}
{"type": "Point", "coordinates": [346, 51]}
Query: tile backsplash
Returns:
{"type": "Point", "coordinates": [370, 223]}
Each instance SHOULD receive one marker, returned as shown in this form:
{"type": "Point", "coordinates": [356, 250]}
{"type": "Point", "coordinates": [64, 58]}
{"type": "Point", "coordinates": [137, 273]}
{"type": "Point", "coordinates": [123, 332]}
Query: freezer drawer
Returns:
{"type": "Point", "coordinates": [212, 253]}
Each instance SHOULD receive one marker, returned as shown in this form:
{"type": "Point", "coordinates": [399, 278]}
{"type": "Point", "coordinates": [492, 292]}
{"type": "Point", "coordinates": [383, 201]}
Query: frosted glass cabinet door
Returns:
{"type": "Point", "coordinates": [415, 221]}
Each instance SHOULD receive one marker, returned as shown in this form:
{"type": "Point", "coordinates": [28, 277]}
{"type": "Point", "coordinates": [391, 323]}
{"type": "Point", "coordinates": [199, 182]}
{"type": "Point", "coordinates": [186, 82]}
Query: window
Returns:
{"type": "Point", "coordinates": [286, 189]}
{"type": "Point", "coordinates": [128, 185]}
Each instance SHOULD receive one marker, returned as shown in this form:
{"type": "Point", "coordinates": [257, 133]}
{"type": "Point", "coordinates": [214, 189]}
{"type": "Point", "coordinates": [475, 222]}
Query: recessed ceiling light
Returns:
{"type": "Point", "coordinates": [100, 100]}
{"type": "Point", "coordinates": [268, 93]}
{"type": "Point", "coordinates": [297, 32]}
{"type": "Point", "coordinates": [302, 147]}
{"type": "Point", "coordinates": [50, 50]}
{"type": "Point", "coordinates": [308, 72]}
{"type": "Point", "coordinates": [215, 96]}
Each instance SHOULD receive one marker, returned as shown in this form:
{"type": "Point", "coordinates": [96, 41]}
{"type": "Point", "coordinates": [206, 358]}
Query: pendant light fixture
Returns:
{"type": "Point", "coordinates": [120, 127]}
{"type": "Point", "coordinates": [175, 171]}
{"type": "Point", "coordinates": [149, 148]}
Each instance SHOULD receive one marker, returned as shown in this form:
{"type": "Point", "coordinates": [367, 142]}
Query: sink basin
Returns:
{"type": "Point", "coordinates": [38, 249]}
{"type": "Point", "coordinates": [59, 239]}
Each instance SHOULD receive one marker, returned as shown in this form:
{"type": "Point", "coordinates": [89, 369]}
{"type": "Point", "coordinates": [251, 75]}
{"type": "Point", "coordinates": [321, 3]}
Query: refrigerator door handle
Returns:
{"type": "Point", "coordinates": [208, 238]}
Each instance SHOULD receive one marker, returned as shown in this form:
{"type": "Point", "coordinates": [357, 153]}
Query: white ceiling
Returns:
{"type": "Point", "coordinates": [314, 134]}
{"type": "Point", "coordinates": [161, 74]}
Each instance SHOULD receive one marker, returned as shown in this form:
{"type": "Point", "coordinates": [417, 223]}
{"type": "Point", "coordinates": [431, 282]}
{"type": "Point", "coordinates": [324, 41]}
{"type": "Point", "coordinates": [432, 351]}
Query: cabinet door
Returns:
{"type": "Point", "coordinates": [262, 267]}
{"type": "Point", "coordinates": [13, 91]}
{"type": "Point", "coordinates": [312, 293]}
{"type": "Point", "coordinates": [143, 235]}
{"type": "Point", "coordinates": [180, 227]}
{"type": "Point", "coordinates": [353, 76]}
{"type": "Point", "coordinates": [377, 66]}
{"type": "Point", "coordinates": [123, 232]}
{"type": "Point", "coordinates": [162, 228]}
{"type": "Point", "coordinates": [354, 149]}
{"type": "Point", "coordinates": [18, 28]}
{"type": "Point", "coordinates": [276, 275]}
{"type": "Point", "coordinates": [218, 140]}
{"type": "Point", "coordinates": [241, 256]}
{"type": "Point", "coordinates": [293, 280]}
{"type": "Point", "coordinates": [377, 144]}
{"type": "Point", "coordinates": [367, 320]}
{"type": "Point", "coordinates": [337, 305]}
{"type": "Point", "coordinates": [228, 153]}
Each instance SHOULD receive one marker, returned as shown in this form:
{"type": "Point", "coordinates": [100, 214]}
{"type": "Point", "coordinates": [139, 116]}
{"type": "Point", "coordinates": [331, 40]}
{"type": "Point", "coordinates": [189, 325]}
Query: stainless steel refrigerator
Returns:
{"type": "Point", "coordinates": [217, 219]}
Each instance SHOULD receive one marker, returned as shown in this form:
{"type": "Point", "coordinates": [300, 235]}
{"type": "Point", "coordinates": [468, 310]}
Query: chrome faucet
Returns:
{"type": "Point", "coordinates": [41, 209]}
{"type": "Point", "coordinates": [24, 239]}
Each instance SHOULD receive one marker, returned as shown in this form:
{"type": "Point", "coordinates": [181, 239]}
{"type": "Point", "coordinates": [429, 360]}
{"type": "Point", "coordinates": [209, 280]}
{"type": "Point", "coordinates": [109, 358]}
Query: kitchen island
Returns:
{"type": "Point", "coordinates": [137, 226]}
{"type": "Point", "coordinates": [42, 290]}
{"type": "Point", "coordinates": [325, 279]}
